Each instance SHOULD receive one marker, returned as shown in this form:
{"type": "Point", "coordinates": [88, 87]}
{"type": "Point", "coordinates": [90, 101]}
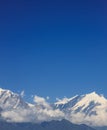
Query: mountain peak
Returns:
{"type": "Point", "coordinates": [7, 91]}
{"type": "Point", "coordinates": [2, 90]}
{"type": "Point", "coordinates": [89, 99]}
{"type": "Point", "coordinates": [64, 100]}
{"type": "Point", "coordinates": [95, 97]}
{"type": "Point", "coordinates": [93, 94]}
{"type": "Point", "coordinates": [10, 100]}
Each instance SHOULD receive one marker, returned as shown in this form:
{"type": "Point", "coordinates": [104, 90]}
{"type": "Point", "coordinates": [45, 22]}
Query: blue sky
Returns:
{"type": "Point", "coordinates": [53, 48]}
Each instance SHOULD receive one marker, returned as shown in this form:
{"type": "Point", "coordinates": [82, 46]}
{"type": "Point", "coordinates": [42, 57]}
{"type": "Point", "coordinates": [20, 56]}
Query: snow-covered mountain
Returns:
{"type": "Point", "coordinates": [10, 100]}
{"type": "Point", "coordinates": [90, 109]}
{"type": "Point", "coordinates": [14, 109]}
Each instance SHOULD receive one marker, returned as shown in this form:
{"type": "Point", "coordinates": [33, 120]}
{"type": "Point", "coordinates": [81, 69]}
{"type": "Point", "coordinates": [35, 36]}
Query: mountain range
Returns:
{"type": "Point", "coordinates": [89, 109]}
{"type": "Point", "coordinates": [52, 125]}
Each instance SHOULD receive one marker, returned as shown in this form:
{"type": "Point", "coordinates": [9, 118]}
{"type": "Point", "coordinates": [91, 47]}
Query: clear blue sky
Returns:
{"type": "Point", "coordinates": [53, 48]}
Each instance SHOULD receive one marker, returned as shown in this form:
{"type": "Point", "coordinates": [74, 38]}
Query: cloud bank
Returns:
{"type": "Point", "coordinates": [38, 112]}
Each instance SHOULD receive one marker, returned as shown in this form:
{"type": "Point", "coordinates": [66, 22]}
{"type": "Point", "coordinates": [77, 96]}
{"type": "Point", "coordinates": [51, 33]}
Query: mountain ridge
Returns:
{"type": "Point", "coordinates": [90, 109]}
{"type": "Point", "coordinates": [52, 125]}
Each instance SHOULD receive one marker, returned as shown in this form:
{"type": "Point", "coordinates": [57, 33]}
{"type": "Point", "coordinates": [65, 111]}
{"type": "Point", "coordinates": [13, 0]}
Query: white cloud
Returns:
{"type": "Point", "coordinates": [45, 111]}
{"type": "Point", "coordinates": [22, 94]}
{"type": "Point", "coordinates": [41, 102]}
{"type": "Point", "coordinates": [41, 111]}
{"type": "Point", "coordinates": [47, 97]}
{"type": "Point", "coordinates": [94, 120]}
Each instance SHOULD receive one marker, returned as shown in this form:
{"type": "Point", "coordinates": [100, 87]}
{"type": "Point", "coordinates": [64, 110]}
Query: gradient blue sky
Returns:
{"type": "Point", "coordinates": [53, 48]}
